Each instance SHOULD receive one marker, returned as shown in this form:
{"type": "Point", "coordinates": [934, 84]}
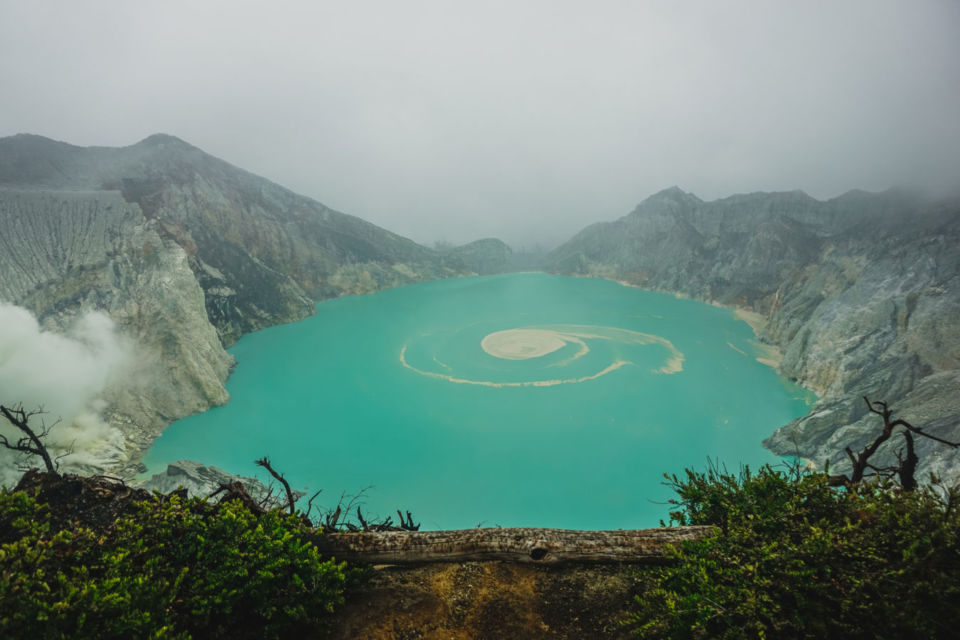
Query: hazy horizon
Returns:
{"type": "Point", "coordinates": [527, 123]}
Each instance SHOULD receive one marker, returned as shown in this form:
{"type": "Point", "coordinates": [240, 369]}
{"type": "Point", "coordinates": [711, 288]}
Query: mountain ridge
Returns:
{"type": "Point", "coordinates": [186, 253]}
{"type": "Point", "coordinates": [861, 293]}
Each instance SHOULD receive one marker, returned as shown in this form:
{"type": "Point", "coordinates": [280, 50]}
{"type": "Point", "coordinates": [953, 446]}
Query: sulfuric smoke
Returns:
{"type": "Point", "coordinates": [65, 375]}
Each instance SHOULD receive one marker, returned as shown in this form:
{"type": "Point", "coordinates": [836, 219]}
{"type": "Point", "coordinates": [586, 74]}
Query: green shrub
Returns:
{"type": "Point", "coordinates": [795, 558]}
{"type": "Point", "coordinates": [173, 569]}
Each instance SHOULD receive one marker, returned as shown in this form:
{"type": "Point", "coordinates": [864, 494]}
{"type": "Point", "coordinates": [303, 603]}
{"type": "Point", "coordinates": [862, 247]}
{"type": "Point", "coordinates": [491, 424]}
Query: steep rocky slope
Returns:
{"type": "Point", "coordinates": [860, 293]}
{"type": "Point", "coordinates": [185, 252]}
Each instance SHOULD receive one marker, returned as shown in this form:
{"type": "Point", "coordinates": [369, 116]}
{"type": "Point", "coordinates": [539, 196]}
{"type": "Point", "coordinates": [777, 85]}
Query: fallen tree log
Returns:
{"type": "Point", "coordinates": [522, 545]}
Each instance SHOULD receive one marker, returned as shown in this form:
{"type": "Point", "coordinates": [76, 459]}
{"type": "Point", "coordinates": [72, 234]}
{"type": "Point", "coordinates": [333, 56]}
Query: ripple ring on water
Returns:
{"type": "Point", "coordinates": [527, 343]}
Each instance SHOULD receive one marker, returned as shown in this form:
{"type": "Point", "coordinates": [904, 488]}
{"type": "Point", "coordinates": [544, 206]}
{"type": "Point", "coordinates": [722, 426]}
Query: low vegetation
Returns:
{"type": "Point", "coordinates": [168, 568]}
{"type": "Point", "coordinates": [794, 557]}
{"type": "Point", "coordinates": [795, 554]}
{"type": "Point", "coordinates": [799, 554]}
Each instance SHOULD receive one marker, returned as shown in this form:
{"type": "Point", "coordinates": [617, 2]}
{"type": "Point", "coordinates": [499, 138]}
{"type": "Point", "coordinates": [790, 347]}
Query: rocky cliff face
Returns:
{"type": "Point", "coordinates": [65, 253]}
{"type": "Point", "coordinates": [860, 293]}
{"type": "Point", "coordinates": [186, 253]}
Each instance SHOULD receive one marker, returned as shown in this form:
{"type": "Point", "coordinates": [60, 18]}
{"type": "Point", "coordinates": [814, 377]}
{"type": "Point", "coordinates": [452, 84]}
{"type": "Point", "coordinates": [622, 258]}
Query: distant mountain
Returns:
{"type": "Point", "coordinates": [185, 252]}
{"type": "Point", "coordinates": [484, 257]}
{"type": "Point", "coordinates": [261, 253]}
{"type": "Point", "coordinates": [861, 294]}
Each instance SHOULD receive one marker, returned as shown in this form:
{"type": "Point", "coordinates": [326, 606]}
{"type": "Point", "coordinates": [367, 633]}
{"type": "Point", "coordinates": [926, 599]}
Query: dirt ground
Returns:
{"type": "Point", "coordinates": [489, 600]}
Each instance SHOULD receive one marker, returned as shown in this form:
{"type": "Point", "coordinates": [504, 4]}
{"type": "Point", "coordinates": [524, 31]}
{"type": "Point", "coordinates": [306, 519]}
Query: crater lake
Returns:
{"type": "Point", "coordinates": [512, 400]}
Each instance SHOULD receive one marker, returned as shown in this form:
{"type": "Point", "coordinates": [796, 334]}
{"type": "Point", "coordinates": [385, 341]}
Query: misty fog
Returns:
{"type": "Point", "coordinates": [65, 377]}
{"type": "Point", "coordinates": [526, 121]}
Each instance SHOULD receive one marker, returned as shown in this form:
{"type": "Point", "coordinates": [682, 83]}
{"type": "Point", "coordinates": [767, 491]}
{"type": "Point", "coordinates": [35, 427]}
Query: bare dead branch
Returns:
{"type": "Point", "coordinates": [310, 503]}
{"type": "Point", "coordinates": [219, 490]}
{"type": "Point", "coordinates": [114, 478]}
{"type": "Point", "coordinates": [267, 497]}
{"type": "Point", "coordinates": [265, 463]}
{"type": "Point", "coordinates": [236, 491]}
{"type": "Point", "coordinates": [68, 452]}
{"type": "Point", "coordinates": [333, 519]}
{"type": "Point", "coordinates": [31, 443]}
{"type": "Point", "coordinates": [906, 465]}
{"type": "Point", "coordinates": [408, 524]}
{"type": "Point", "coordinates": [921, 432]}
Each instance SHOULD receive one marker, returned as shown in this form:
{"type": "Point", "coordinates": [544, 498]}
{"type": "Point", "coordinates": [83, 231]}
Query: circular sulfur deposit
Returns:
{"type": "Point", "coordinates": [530, 343]}
{"type": "Point", "coordinates": [522, 344]}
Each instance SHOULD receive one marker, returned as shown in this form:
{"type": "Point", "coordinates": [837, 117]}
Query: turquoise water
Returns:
{"type": "Point", "coordinates": [514, 400]}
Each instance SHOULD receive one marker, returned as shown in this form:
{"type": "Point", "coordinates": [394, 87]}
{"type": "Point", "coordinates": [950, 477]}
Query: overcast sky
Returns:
{"type": "Point", "coordinates": [524, 120]}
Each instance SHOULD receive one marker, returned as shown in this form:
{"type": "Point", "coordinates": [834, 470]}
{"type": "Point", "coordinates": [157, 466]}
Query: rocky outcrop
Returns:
{"type": "Point", "coordinates": [186, 253]}
{"type": "Point", "coordinates": [860, 293]}
{"type": "Point", "coordinates": [66, 253]}
{"type": "Point", "coordinates": [201, 481]}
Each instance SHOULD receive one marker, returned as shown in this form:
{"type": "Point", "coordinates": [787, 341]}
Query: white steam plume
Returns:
{"type": "Point", "coordinates": [66, 375]}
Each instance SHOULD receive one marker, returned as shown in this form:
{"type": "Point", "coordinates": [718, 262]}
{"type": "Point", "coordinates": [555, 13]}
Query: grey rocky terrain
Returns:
{"type": "Point", "coordinates": [185, 253]}
{"type": "Point", "coordinates": [861, 294]}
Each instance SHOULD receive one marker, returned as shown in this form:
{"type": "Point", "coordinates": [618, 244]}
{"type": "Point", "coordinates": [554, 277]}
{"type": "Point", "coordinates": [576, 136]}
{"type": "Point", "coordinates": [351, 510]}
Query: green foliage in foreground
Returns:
{"type": "Point", "coordinates": [796, 558]}
{"type": "Point", "coordinates": [173, 569]}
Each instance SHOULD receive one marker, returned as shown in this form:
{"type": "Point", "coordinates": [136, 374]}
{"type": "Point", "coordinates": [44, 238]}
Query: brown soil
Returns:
{"type": "Point", "coordinates": [489, 600]}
